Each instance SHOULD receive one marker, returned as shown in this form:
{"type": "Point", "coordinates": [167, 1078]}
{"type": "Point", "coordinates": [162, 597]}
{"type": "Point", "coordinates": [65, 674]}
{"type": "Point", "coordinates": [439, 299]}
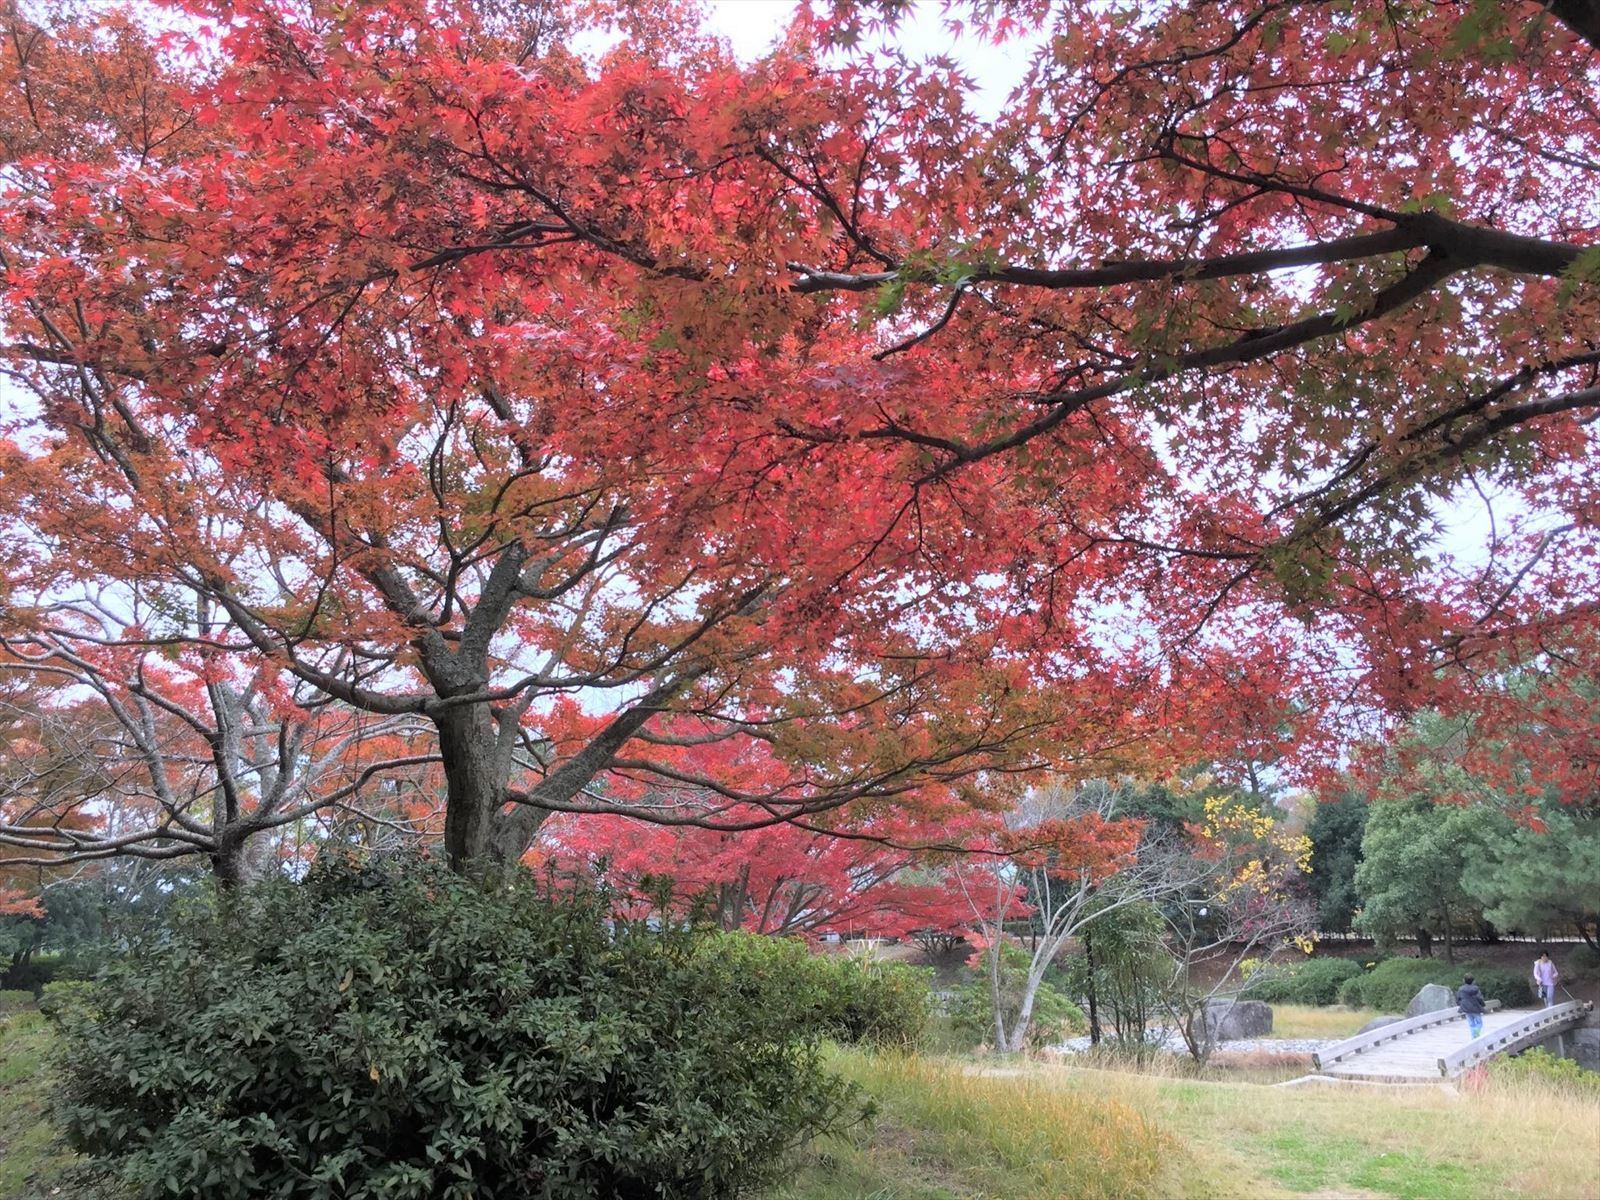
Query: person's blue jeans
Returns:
{"type": "Point", "coordinates": [1474, 1025]}
{"type": "Point", "coordinates": [1547, 993]}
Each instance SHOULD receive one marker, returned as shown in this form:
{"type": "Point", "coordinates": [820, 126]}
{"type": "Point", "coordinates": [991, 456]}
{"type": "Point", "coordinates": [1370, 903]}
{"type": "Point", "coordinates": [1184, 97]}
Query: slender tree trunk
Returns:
{"type": "Point", "coordinates": [1001, 1042]}
{"type": "Point", "coordinates": [1094, 1004]}
{"type": "Point", "coordinates": [1024, 1018]}
{"type": "Point", "coordinates": [1449, 943]}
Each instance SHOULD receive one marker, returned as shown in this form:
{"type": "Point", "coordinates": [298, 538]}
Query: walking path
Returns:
{"type": "Point", "coordinates": [1175, 1043]}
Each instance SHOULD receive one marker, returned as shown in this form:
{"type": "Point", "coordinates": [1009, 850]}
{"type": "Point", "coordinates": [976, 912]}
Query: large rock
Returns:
{"type": "Point", "coordinates": [1583, 1047]}
{"type": "Point", "coordinates": [1378, 1023]}
{"type": "Point", "coordinates": [1432, 998]}
{"type": "Point", "coordinates": [1235, 1019]}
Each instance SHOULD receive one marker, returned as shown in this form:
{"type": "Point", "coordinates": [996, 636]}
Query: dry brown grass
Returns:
{"type": "Point", "coordinates": [1334, 1022]}
{"type": "Point", "coordinates": [958, 1129]}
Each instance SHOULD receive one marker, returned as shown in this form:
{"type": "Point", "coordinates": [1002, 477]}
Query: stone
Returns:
{"type": "Point", "coordinates": [1583, 1047]}
{"type": "Point", "coordinates": [1432, 998]}
{"type": "Point", "coordinates": [1378, 1023]}
{"type": "Point", "coordinates": [1233, 1020]}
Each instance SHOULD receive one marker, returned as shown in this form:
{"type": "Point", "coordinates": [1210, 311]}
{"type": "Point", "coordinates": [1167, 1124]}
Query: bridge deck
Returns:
{"type": "Point", "coordinates": [1417, 1054]}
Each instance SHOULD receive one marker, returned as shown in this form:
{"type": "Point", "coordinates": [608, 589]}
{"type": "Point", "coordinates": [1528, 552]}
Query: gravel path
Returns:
{"type": "Point", "coordinates": [1174, 1042]}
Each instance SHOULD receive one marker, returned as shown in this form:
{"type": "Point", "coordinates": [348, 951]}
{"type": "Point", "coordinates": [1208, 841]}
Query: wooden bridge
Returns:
{"type": "Point", "coordinates": [1435, 1045]}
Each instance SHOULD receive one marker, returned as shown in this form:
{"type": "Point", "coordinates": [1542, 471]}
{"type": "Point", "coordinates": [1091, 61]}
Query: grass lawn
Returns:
{"type": "Point", "coordinates": [1507, 1138]}
{"type": "Point", "coordinates": [30, 1161]}
{"type": "Point", "coordinates": [952, 1129]}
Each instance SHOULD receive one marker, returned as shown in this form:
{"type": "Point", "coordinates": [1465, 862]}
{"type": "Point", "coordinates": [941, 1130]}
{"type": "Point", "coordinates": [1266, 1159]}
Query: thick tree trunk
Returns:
{"type": "Point", "coordinates": [240, 856]}
{"type": "Point", "coordinates": [1424, 943]}
{"type": "Point", "coordinates": [477, 779]}
{"type": "Point", "coordinates": [229, 866]}
{"type": "Point", "coordinates": [1580, 16]}
{"type": "Point", "coordinates": [475, 786]}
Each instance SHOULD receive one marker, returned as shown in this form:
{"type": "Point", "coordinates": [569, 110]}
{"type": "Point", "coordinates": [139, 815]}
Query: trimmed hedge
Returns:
{"type": "Point", "coordinates": [398, 1033]}
{"type": "Point", "coordinates": [1312, 981]}
{"type": "Point", "coordinates": [1389, 986]}
{"type": "Point", "coordinates": [886, 1005]}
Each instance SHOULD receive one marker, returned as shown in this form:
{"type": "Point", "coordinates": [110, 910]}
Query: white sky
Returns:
{"type": "Point", "coordinates": [751, 27]}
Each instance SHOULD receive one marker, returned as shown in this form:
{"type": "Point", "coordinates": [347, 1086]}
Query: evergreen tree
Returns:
{"type": "Point", "coordinates": [1540, 876]}
{"type": "Point", "coordinates": [1335, 831]}
{"type": "Point", "coordinates": [1412, 874]}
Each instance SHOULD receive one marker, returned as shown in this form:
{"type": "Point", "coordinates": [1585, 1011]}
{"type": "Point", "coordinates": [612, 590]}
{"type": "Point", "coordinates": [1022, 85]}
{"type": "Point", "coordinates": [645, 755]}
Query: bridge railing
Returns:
{"type": "Point", "coordinates": [1393, 1031]}
{"type": "Point", "coordinates": [1535, 1027]}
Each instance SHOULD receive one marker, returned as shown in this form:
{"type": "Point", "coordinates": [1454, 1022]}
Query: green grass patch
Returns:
{"type": "Point", "coordinates": [31, 1160]}
{"type": "Point", "coordinates": [1409, 1175]}
{"type": "Point", "coordinates": [1303, 1162]}
{"type": "Point", "coordinates": [1306, 1160]}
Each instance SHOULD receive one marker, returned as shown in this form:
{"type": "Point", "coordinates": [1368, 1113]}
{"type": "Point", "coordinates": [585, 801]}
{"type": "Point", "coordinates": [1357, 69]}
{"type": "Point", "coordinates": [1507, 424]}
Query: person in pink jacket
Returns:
{"type": "Point", "coordinates": [1544, 978]}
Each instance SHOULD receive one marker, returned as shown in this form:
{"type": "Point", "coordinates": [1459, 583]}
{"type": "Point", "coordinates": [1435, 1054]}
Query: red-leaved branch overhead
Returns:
{"type": "Point", "coordinates": [574, 407]}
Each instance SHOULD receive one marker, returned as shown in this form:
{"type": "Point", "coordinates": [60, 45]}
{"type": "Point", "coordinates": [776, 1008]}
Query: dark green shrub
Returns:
{"type": "Point", "coordinates": [394, 1031]}
{"type": "Point", "coordinates": [1583, 962]}
{"type": "Point", "coordinates": [1514, 989]}
{"type": "Point", "coordinates": [28, 976]}
{"type": "Point", "coordinates": [1389, 986]}
{"type": "Point", "coordinates": [1312, 981]}
{"type": "Point", "coordinates": [1353, 991]}
{"type": "Point", "coordinates": [1125, 975]}
{"type": "Point", "coordinates": [883, 1004]}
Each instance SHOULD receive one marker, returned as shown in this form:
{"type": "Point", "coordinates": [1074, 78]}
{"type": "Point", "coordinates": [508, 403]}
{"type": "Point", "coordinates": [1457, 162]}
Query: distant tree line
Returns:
{"type": "Point", "coordinates": [1421, 841]}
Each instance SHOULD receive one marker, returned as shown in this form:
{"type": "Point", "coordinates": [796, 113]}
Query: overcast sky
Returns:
{"type": "Point", "coordinates": [751, 26]}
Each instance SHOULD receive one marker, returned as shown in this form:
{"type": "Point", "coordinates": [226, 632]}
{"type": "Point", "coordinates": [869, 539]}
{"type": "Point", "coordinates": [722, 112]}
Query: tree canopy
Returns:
{"type": "Point", "coordinates": [582, 408]}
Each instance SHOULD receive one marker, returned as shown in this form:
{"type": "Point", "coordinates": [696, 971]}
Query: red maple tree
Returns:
{"type": "Point", "coordinates": [887, 873]}
{"type": "Point", "coordinates": [545, 399]}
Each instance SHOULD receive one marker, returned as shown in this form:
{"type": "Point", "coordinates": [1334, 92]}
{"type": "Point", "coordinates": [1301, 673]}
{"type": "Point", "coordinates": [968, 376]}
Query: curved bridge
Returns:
{"type": "Point", "coordinates": [1435, 1045]}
